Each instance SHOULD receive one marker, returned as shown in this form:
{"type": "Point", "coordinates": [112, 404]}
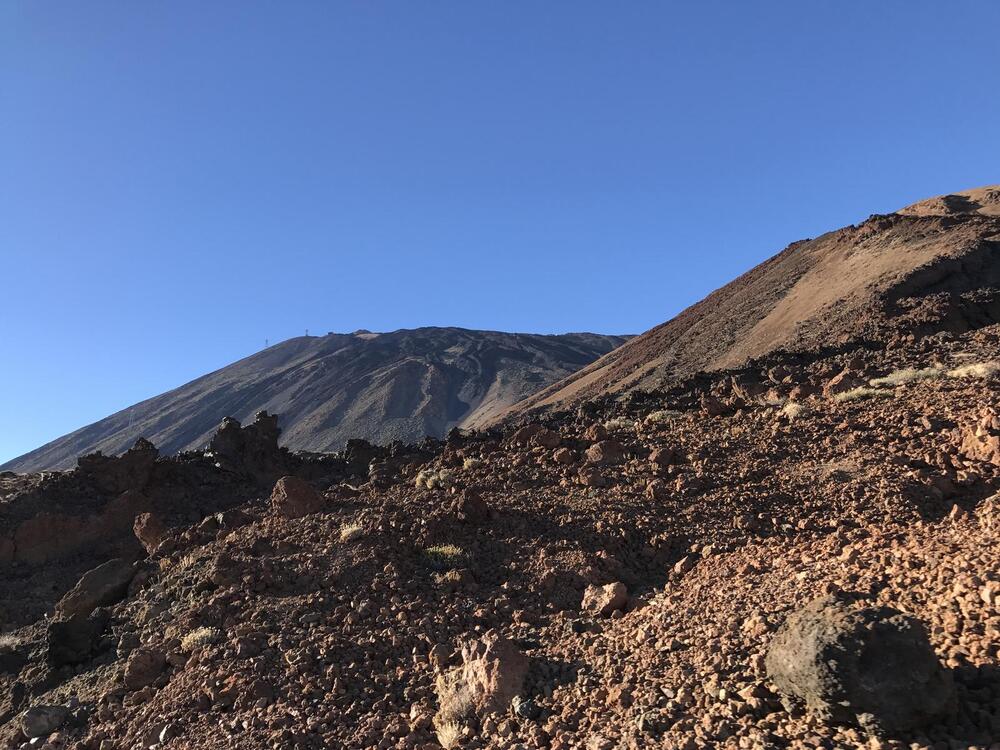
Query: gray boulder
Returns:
{"type": "Point", "coordinates": [872, 666]}
{"type": "Point", "coordinates": [41, 721]}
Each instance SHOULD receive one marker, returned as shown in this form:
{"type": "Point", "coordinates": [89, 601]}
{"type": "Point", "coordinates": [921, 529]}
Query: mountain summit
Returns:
{"type": "Point", "coordinates": [401, 385]}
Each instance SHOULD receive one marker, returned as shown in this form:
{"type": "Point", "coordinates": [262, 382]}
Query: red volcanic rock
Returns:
{"type": "Point", "coordinates": [605, 453]}
{"type": "Point", "coordinates": [603, 600]}
{"type": "Point", "coordinates": [105, 584]}
{"type": "Point", "coordinates": [143, 667]}
{"type": "Point", "coordinates": [149, 530]}
{"type": "Point", "coordinates": [293, 498]}
{"type": "Point", "coordinates": [492, 673]}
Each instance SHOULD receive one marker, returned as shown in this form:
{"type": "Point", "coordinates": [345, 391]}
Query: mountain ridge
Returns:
{"type": "Point", "coordinates": [396, 385]}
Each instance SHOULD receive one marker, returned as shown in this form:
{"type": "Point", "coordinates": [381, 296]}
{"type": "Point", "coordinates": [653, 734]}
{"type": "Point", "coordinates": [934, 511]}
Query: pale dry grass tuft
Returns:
{"type": "Point", "coordinates": [351, 531]}
{"type": "Point", "coordinates": [444, 556]}
{"type": "Point", "coordinates": [856, 394]}
{"type": "Point", "coordinates": [977, 370]}
{"type": "Point", "coordinates": [432, 479]}
{"type": "Point", "coordinates": [199, 638]}
{"type": "Point", "coordinates": [792, 410]}
{"type": "Point", "coordinates": [909, 375]}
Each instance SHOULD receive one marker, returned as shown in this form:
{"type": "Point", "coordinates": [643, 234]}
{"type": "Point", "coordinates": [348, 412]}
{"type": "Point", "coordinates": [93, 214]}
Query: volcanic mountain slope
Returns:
{"type": "Point", "coordinates": [800, 552]}
{"type": "Point", "coordinates": [615, 579]}
{"type": "Point", "coordinates": [382, 387]}
{"type": "Point", "coordinates": [932, 266]}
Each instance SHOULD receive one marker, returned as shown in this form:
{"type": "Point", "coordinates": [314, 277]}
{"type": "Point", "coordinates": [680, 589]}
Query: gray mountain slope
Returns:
{"type": "Point", "coordinates": [401, 385]}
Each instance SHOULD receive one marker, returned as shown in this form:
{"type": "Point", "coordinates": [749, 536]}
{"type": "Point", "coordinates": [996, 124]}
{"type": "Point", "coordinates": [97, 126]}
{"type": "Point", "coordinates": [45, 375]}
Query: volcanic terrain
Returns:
{"type": "Point", "coordinates": [770, 523]}
{"type": "Point", "coordinates": [402, 385]}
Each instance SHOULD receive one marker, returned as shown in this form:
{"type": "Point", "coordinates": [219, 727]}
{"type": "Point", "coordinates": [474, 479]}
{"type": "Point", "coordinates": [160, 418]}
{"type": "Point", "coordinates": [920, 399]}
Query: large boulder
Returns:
{"type": "Point", "coordinates": [149, 530]}
{"type": "Point", "coordinates": [75, 639]}
{"type": "Point", "coordinates": [106, 584]}
{"type": "Point", "coordinates": [491, 676]}
{"type": "Point", "coordinates": [293, 498]}
{"type": "Point", "coordinates": [603, 600]}
{"type": "Point", "coordinates": [143, 667]}
{"type": "Point", "coordinates": [869, 665]}
{"type": "Point", "coordinates": [605, 453]}
{"type": "Point", "coordinates": [41, 721]}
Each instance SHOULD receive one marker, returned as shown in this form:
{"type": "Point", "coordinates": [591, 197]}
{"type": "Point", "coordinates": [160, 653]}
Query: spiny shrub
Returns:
{"type": "Point", "coordinates": [199, 638]}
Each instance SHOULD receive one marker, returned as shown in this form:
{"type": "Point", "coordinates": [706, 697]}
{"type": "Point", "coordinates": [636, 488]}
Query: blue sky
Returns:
{"type": "Point", "coordinates": [181, 181]}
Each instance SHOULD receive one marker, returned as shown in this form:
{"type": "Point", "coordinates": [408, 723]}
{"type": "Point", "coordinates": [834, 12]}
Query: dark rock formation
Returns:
{"type": "Point", "coordinates": [874, 666]}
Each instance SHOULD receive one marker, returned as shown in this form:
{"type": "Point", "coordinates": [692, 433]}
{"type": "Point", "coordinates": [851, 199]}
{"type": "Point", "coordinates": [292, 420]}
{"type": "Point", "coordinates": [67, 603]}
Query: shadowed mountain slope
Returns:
{"type": "Point", "coordinates": [401, 385]}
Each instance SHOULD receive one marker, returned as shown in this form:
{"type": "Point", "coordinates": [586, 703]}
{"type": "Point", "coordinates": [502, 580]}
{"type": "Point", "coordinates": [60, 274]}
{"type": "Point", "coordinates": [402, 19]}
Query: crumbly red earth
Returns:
{"type": "Point", "coordinates": [329, 630]}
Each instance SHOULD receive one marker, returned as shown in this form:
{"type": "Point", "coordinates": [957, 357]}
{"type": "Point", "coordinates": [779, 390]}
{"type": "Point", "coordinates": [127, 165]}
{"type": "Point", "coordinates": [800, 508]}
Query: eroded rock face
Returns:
{"type": "Point", "coordinates": [873, 666]}
{"type": "Point", "coordinates": [293, 498]}
{"type": "Point", "coordinates": [118, 474]}
{"type": "Point", "coordinates": [106, 584]}
{"type": "Point", "coordinates": [252, 450]}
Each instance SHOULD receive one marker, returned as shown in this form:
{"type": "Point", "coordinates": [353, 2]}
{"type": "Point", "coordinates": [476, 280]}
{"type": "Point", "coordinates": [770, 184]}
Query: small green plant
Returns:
{"type": "Point", "coordinates": [977, 370]}
{"type": "Point", "coordinates": [857, 394]}
{"type": "Point", "coordinates": [472, 463]}
{"type": "Point", "coordinates": [351, 531]}
{"type": "Point", "coordinates": [199, 638]}
{"type": "Point", "coordinates": [444, 556]}
{"type": "Point", "coordinates": [909, 375]}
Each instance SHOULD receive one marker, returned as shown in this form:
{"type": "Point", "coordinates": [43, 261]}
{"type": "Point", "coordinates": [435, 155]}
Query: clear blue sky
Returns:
{"type": "Point", "coordinates": [180, 181]}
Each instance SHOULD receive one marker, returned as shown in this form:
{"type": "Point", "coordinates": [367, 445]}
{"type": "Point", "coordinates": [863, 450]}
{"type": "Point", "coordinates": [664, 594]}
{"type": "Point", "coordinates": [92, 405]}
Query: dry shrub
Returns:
{"type": "Point", "coordinates": [444, 556]}
{"type": "Point", "coordinates": [977, 370]}
{"type": "Point", "coordinates": [432, 479]}
{"type": "Point", "coordinates": [351, 531]}
{"type": "Point", "coordinates": [199, 638]}
{"type": "Point", "coordinates": [792, 410]}
{"type": "Point", "coordinates": [909, 375]}
{"type": "Point", "coordinates": [857, 394]}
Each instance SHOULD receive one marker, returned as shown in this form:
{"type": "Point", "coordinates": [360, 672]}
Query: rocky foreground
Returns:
{"type": "Point", "coordinates": [802, 553]}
